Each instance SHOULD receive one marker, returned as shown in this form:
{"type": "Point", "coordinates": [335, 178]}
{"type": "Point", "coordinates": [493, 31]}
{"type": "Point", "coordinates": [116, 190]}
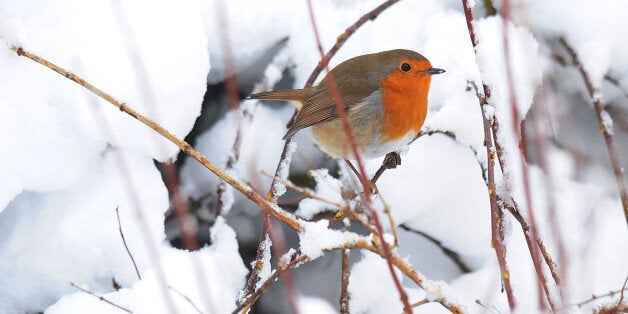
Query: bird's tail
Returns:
{"type": "Point", "coordinates": [296, 96]}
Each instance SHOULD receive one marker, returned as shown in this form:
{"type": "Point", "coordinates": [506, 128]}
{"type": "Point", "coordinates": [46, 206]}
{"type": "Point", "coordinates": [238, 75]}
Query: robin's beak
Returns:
{"type": "Point", "coordinates": [432, 71]}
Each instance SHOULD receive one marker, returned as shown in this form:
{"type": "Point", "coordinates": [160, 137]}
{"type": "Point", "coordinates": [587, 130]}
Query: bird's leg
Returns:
{"type": "Point", "coordinates": [357, 173]}
{"type": "Point", "coordinates": [391, 161]}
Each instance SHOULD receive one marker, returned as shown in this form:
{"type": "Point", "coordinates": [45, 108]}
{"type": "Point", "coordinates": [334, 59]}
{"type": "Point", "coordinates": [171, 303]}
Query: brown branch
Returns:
{"type": "Point", "coordinates": [596, 297]}
{"type": "Point", "coordinates": [231, 85]}
{"type": "Point", "coordinates": [126, 247]}
{"type": "Point", "coordinates": [306, 192]}
{"type": "Point", "coordinates": [340, 108]}
{"type": "Point", "coordinates": [344, 279]}
{"type": "Point", "coordinates": [514, 108]}
{"type": "Point", "coordinates": [398, 261]}
{"type": "Point", "coordinates": [101, 298]}
{"type": "Point", "coordinates": [295, 259]}
{"type": "Point", "coordinates": [340, 40]}
{"type": "Point", "coordinates": [604, 127]}
{"type": "Point", "coordinates": [287, 218]}
{"type": "Point", "coordinates": [187, 225]}
{"type": "Point", "coordinates": [453, 255]}
{"type": "Point", "coordinates": [615, 81]}
{"type": "Point", "coordinates": [187, 299]}
{"type": "Point", "coordinates": [621, 297]}
{"type": "Point", "coordinates": [497, 230]}
{"type": "Point", "coordinates": [535, 245]}
{"type": "Point", "coordinates": [539, 112]}
{"type": "Point", "coordinates": [345, 210]}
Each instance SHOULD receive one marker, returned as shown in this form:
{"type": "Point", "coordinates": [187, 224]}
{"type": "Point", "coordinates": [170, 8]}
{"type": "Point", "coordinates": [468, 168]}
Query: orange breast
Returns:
{"type": "Point", "coordinates": [405, 104]}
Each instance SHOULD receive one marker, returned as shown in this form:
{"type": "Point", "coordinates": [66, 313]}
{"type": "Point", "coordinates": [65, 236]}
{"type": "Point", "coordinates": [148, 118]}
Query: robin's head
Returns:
{"type": "Point", "coordinates": [405, 69]}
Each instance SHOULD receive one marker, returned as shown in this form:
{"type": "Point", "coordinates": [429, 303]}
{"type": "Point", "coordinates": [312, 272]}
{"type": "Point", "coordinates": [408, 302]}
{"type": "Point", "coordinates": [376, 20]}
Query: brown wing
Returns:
{"type": "Point", "coordinates": [355, 82]}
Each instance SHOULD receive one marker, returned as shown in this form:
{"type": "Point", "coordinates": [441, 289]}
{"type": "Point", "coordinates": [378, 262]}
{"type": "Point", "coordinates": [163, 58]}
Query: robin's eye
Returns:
{"type": "Point", "coordinates": [405, 67]}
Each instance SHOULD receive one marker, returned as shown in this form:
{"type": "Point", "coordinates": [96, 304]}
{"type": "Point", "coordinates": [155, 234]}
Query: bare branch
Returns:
{"type": "Point", "coordinates": [604, 126]}
{"type": "Point", "coordinates": [453, 255]}
{"type": "Point", "coordinates": [340, 40]}
{"type": "Point", "coordinates": [126, 247]}
{"type": "Point", "coordinates": [287, 218]}
{"type": "Point", "coordinates": [497, 230]}
{"type": "Point", "coordinates": [363, 178]}
{"type": "Point", "coordinates": [344, 279]}
{"type": "Point", "coordinates": [514, 109]}
{"type": "Point", "coordinates": [101, 298]}
{"type": "Point", "coordinates": [187, 299]}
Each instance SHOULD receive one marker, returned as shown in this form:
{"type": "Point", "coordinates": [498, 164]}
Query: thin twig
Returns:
{"type": "Point", "coordinates": [186, 223]}
{"type": "Point", "coordinates": [497, 230]}
{"type": "Point", "coordinates": [344, 279]}
{"type": "Point", "coordinates": [345, 210]}
{"type": "Point", "coordinates": [615, 81]}
{"type": "Point", "coordinates": [514, 109]}
{"type": "Point", "coordinates": [398, 261]}
{"type": "Point", "coordinates": [596, 297]}
{"type": "Point", "coordinates": [252, 297]}
{"type": "Point", "coordinates": [541, 246]}
{"type": "Point", "coordinates": [539, 112]}
{"type": "Point", "coordinates": [453, 255]}
{"type": "Point", "coordinates": [340, 108]}
{"type": "Point", "coordinates": [101, 298]}
{"type": "Point", "coordinates": [340, 40]}
{"type": "Point", "coordinates": [621, 297]}
{"type": "Point", "coordinates": [306, 192]}
{"type": "Point", "coordinates": [604, 126]}
{"type": "Point", "coordinates": [187, 299]}
{"type": "Point", "coordinates": [231, 85]}
{"type": "Point", "coordinates": [126, 247]}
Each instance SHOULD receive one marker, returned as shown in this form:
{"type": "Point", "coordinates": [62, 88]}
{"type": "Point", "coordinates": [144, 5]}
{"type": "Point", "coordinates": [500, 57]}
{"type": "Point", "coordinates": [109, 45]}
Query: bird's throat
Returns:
{"type": "Point", "coordinates": [405, 106]}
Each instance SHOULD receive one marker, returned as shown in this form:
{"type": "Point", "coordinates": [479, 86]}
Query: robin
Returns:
{"type": "Point", "coordinates": [385, 98]}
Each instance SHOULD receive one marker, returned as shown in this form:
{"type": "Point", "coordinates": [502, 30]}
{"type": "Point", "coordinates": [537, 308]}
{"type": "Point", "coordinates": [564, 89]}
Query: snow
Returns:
{"type": "Point", "coordinates": [316, 237]}
{"type": "Point", "coordinates": [607, 122]}
{"type": "Point", "coordinates": [100, 53]}
{"type": "Point", "coordinates": [220, 262]}
{"type": "Point", "coordinates": [328, 188]}
{"type": "Point", "coordinates": [599, 45]}
{"type": "Point", "coordinates": [314, 305]}
{"type": "Point", "coordinates": [260, 150]}
{"type": "Point", "coordinates": [72, 235]}
{"type": "Point", "coordinates": [283, 169]}
{"type": "Point", "coordinates": [266, 268]}
{"type": "Point", "coordinates": [69, 159]}
{"type": "Point", "coordinates": [526, 75]}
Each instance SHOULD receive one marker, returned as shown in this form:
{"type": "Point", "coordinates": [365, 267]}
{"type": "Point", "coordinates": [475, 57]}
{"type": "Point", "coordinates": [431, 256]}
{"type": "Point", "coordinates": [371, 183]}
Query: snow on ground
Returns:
{"type": "Point", "coordinates": [69, 159]}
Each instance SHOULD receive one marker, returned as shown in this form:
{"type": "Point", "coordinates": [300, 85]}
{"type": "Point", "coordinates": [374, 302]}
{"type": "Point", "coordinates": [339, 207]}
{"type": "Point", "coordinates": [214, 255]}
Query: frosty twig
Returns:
{"type": "Point", "coordinates": [605, 127]}
{"type": "Point", "coordinates": [101, 298]}
{"type": "Point", "coordinates": [453, 255]}
{"type": "Point", "coordinates": [344, 36]}
{"type": "Point", "coordinates": [514, 109]}
{"type": "Point", "coordinates": [340, 108]}
{"type": "Point", "coordinates": [126, 247]}
{"type": "Point", "coordinates": [344, 280]}
{"type": "Point", "coordinates": [497, 215]}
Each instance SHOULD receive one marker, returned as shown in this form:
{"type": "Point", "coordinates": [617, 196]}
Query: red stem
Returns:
{"type": "Point", "coordinates": [367, 191]}
{"type": "Point", "coordinates": [514, 108]}
{"type": "Point", "coordinates": [497, 232]}
{"type": "Point", "coordinates": [604, 128]}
